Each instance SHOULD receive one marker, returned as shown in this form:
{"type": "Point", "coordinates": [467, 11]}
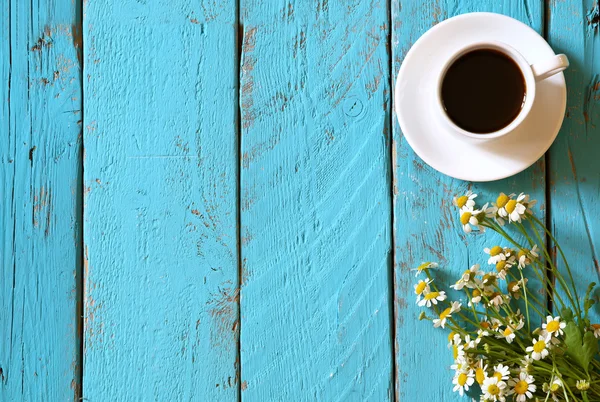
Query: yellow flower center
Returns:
{"type": "Point", "coordinates": [431, 295]}
{"type": "Point", "coordinates": [464, 218]}
{"type": "Point", "coordinates": [469, 274]}
{"type": "Point", "coordinates": [596, 326]}
{"type": "Point", "coordinates": [480, 375]}
{"type": "Point", "coordinates": [498, 375]}
{"type": "Point", "coordinates": [445, 313]}
{"type": "Point", "coordinates": [451, 336]}
{"type": "Point", "coordinates": [521, 387]}
{"type": "Point", "coordinates": [510, 206]}
{"type": "Point", "coordinates": [539, 346]}
{"type": "Point", "coordinates": [521, 254]}
{"type": "Point", "coordinates": [420, 287]}
{"type": "Point", "coordinates": [507, 331]}
{"type": "Point", "coordinates": [461, 201]}
{"type": "Point", "coordinates": [502, 200]}
{"type": "Point", "coordinates": [552, 326]}
{"type": "Point", "coordinates": [554, 387]}
{"type": "Point", "coordinates": [495, 250]}
{"type": "Point", "coordinates": [493, 389]}
{"type": "Point", "coordinates": [489, 280]}
{"type": "Point", "coordinates": [484, 324]}
{"type": "Point", "coordinates": [462, 379]}
{"type": "Point", "coordinates": [454, 351]}
{"type": "Point", "coordinates": [500, 265]}
{"type": "Point", "coordinates": [511, 286]}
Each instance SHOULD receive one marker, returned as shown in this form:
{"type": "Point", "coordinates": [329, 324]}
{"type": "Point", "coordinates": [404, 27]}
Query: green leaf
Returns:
{"type": "Point", "coordinates": [581, 349]}
{"type": "Point", "coordinates": [567, 314]}
{"type": "Point", "coordinates": [588, 302]}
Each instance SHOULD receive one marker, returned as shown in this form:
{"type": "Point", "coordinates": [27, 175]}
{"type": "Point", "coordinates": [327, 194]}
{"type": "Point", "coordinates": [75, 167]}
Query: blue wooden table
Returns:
{"type": "Point", "coordinates": [212, 200]}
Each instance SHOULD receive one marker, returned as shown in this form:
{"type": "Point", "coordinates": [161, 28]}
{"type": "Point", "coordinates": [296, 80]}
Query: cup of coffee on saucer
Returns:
{"type": "Point", "coordinates": [481, 96]}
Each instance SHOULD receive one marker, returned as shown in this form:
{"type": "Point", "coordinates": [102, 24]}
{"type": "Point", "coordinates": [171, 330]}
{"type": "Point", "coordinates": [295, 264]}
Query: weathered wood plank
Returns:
{"type": "Point", "coordinates": [40, 207]}
{"type": "Point", "coordinates": [425, 221]}
{"type": "Point", "coordinates": [161, 289]}
{"type": "Point", "coordinates": [316, 204]}
{"type": "Point", "coordinates": [574, 180]}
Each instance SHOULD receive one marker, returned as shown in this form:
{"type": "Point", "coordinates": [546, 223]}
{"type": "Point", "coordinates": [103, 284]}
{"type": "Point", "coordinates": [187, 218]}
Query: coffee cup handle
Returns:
{"type": "Point", "coordinates": [549, 67]}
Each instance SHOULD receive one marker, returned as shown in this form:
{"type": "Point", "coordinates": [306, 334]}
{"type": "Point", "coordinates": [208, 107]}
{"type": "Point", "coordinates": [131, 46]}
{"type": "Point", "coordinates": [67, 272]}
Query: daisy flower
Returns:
{"type": "Point", "coordinates": [469, 218]}
{"type": "Point", "coordinates": [522, 387]}
{"type": "Point", "coordinates": [482, 333]}
{"type": "Point", "coordinates": [556, 385]}
{"type": "Point", "coordinates": [453, 338]}
{"type": "Point", "coordinates": [492, 212]}
{"type": "Point", "coordinates": [497, 299]}
{"type": "Point", "coordinates": [493, 389]}
{"type": "Point", "coordinates": [508, 333]}
{"type": "Point", "coordinates": [424, 267]}
{"type": "Point", "coordinates": [467, 200]}
{"type": "Point", "coordinates": [481, 372]}
{"type": "Point", "coordinates": [490, 279]}
{"type": "Point", "coordinates": [471, 343]}
{"type": "Point", "coordinates": [422, 286]}
{"type": "Point", "coordinates": [502, 268]}
{"type": "Point", "coordinates": [462, 381]}
{"type": "Point", "coordinates": [525, 364]}
{"type": "Point", "coordinates": [582, 385]}
{"type": "Point", "coordinates": [458, 353]}
{"type": "Point", "coordinates": [514, 288]}
{"type": "Point", "coordinates": [596, 329]}
{"type": "Point", "coordinates": [496, 254]}
{"type": "Point", "coordinates": [554, 389]}
{"type": "Point", "coordinates": [539, 349]}
{"type": "Point", "coordinates": [475, 297]}
{"type": "Point", "coordinates": [514, 209]}
{"type": "Point", "coordinates": [430, 298]}
{"type": "Point", "coordinates": [460, 365]}
{"type": "Point", "coordinates": [519, 323]}
{"type": "Point", "coordinates": [468, 278]}
{"type": "Point", "coordinates": [447, 313]}
{"type": "Point", "coordinates": [534, 251]}
{"type": "Point", "coordinates": [525, 256]}
{"type": "Point", "coordinates": [501, 203]}
{"type": "Point", "coordinates": [554, 326]}
{"type": "Point", "coordinates": [501, 372]}
{"type": "Point", "coordinates": [444, 315]}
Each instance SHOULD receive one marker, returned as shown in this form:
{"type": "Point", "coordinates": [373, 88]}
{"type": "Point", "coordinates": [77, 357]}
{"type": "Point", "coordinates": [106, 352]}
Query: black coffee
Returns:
{"type": "Point", "coordinates": [483, 91]}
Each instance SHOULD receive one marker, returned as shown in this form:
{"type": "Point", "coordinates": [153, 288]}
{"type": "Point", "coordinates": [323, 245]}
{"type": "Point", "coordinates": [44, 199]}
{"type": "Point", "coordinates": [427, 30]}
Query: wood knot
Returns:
{"type": "Point", "coordinates": [353, 106]}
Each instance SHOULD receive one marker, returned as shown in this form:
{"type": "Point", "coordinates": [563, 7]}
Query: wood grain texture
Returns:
{"type": "Point", "coordinates": [40, 207]}
{"type": "Point", "coordinates": [316, 204]}
{"type": "Point", "coordinates": [425, 221]}
{"type": "Point", "coordinates": [161, 289]}
{"type": "Point", "coordinates": [573, 28]}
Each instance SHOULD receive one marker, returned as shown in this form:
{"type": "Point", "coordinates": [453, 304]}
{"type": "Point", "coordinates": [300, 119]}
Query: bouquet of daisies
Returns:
{"type": "Point", "coordinates": [511, 342]}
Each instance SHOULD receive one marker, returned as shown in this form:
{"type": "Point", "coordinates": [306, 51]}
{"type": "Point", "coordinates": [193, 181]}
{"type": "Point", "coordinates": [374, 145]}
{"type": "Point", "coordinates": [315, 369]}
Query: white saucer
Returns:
{"type": "Point", "coordinates": [456, 155]}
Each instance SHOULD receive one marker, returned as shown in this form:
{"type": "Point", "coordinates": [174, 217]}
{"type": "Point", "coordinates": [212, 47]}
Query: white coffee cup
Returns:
{"type": "Point", "coordinates": [532, 73]}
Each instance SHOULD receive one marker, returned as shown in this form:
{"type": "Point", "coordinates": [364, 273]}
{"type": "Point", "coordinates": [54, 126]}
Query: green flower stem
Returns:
{"type": "Point", "coordinates": [472, 304]}
{"type": "Point", "coordinates": [498, 229]}
{"type": "Point", "coordinates": [523, 231]}
{"type": "Point", "coordinates": [533, 298]}
{"type": "Point", "coordinates": [565, 392]}
{"type": "Point", "coordinates": [553, 267]}
{"type": "Point", "coordinates": [467, 319]}
{"type": "Point", "coordinates": [562, 254]}
{"type": "Point", "coordinates": [526, 301]}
